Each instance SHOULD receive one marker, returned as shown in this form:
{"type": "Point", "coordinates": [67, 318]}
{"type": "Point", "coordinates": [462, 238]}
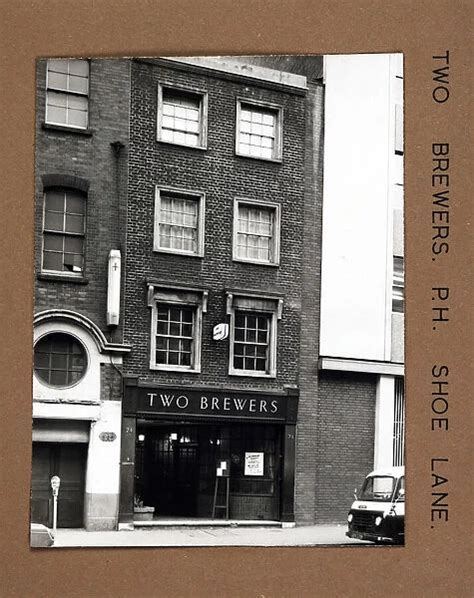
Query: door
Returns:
{"type": "Point", "coordinates": [68, 461]}
{"type": "Point", "coordinates": [168, 470]}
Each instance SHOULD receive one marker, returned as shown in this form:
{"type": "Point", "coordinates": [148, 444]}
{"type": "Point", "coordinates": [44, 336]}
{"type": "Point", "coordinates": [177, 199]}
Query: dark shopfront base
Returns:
{"type": "Point", "coordinates": [68, 461]}
{"type": "Point", "coordinates": [175, 468]}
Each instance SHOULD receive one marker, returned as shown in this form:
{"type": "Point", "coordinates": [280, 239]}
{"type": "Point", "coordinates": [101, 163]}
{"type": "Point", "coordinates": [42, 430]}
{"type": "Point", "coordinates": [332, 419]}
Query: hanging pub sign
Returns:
{"type": "Point", "coordinates": [253, 464]}
{"type": "Point", "coordinates": [220, 332]}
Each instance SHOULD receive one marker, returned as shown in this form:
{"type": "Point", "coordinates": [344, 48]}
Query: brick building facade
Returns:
{"type": "Point", "coordinates": [220, 280]}
{"type": "Point", "coordinates": [82, 111]}
{"type": "Point", "coordinates": [178, 320]}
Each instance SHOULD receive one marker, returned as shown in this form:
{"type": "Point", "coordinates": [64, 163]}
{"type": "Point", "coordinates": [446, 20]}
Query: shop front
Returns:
{"type": "Point", "coordinates": [174, 440]}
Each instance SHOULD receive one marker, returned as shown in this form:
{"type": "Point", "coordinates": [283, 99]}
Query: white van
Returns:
{"type": "Point", "coordinates": [378, 512]}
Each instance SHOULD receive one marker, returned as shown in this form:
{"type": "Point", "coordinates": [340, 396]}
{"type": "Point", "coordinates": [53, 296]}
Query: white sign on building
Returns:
{"type": "Point", "coordinates": [253, 464]}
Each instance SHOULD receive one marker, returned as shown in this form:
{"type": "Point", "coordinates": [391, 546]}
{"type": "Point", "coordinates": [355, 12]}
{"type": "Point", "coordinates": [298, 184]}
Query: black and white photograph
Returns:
{"type": "Point", "coordinates": [219, 302]}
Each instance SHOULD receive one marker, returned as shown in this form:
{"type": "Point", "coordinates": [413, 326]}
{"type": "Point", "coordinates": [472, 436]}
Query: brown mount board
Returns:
{"type": "Point", "coordinates": [435, 560]}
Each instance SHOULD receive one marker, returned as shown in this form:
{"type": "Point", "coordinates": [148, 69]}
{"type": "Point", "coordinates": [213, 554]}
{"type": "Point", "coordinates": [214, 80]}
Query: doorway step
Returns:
{"type": "Point", "coordinates": [201, 522]}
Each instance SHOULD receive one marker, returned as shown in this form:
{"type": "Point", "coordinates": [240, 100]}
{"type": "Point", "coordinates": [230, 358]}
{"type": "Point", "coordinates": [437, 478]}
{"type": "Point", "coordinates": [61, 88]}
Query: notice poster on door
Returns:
{"type": "Point", "coordinates": [253, 464]}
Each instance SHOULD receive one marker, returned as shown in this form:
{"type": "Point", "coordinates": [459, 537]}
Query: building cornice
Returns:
{"type": "Point", "coordinates": [359, 365]}
{"type": "Point", "coordinates": [226, 67]}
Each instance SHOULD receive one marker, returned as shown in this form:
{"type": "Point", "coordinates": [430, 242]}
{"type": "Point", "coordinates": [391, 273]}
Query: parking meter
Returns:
{"type": "Point", "coordinates": [55, 483]}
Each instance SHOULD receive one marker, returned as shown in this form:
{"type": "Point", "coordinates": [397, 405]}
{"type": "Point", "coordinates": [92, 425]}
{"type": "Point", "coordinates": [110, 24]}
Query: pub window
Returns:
{"type": "Point", "coordinates": [253, 334]}
{"type": "Point", "coordinates": [182, 117]}
{"type": "Point", "coordinates": [176, 328]}
{"type": "Point", "coordinates": [258, 130]}
{"type": "Point", "coordinates": [398, 286]}
{"type": "Point", "coordinates": [179, 222]}
{"type": "Point", "coordinates": [59, 360]}
{"type": "Point", "coordinates": [67, 93]}
{"type": "Point", "coordinates": [256, 232]}
{"type": "Point", "coordinates": [174, 335]}
{"type": "Point", "coordinates": [64, 228]}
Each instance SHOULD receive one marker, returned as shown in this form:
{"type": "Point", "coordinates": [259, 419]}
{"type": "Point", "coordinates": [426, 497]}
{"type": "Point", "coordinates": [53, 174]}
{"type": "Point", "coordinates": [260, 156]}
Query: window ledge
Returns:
{"type": "Point", "coordinates": [255, 262]}
{"type": "Point", "coordinates": [250, 374]}
{"type": "Point", "coordinates": [61, 278]}
{"type": "Point", "coordinates": [278, 160]}
{"type": "Point", "coordinates": [64, 129]}
{"type": "Point", "coordinates": [177, 252]}
{"type": "Point", "coordinates": [192, 147]}
{"type": "Point", "coordinates": [177, 370]}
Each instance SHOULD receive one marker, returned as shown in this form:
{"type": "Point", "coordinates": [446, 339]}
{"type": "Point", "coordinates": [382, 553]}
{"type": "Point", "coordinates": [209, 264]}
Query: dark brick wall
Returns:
{"type": "Point", "coordinates": [222, 176]}
{"type": "Point", "coordinates": [306, 440]}
{"type": "Point", "coordinates": [345, 441]}
{"type": "Point", "coordinates": [110, 382]}
{"type": "Point", "coordinates": [92, 158]}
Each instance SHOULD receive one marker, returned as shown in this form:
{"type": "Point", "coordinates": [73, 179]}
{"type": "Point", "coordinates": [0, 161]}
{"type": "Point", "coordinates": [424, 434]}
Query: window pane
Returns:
{"type": "Point", "coordinates": [58, 378]}
{"type": "Point", "coordinates": [77, 103]}
{"type": "Point", "coordinates": [57, 80]}
{"type": "Point", "coordinates": [53, 242]}
{"type": "Point", "coordinates": [78, 84]}
{"type": "Point", "coordinates": [56, 99]}
{"type": "Point", "coordinates": [74, 224]}
{"type": "Point", "coordinates": [75, 204]}
{"type": "Point", "coordinates": [58, 361]}
{"type": "Point", "coordinates": [173, 358]}
{"type": "Point", "coordinates": [187, 330]}
{"type": "Point", "coordinates": [57, 115]}
{"type": "Point", "coordinates": [79, 67]}
{"type": "Point", "coordinates": [54, 221]}
{"type": "Point", "coordinates": [77, 118]}
{"type": "Point", "coordinates": [53, 261]}
{"type": "Point", "coordinates": [54, 200]}
{"type": "Point", "coordinates": [41, 360]}
{"type": "Point", "coordinates": [161, 357]}
{"type": "Point", "coordinates": [74, 245]}
{"type": "Point", "coordinates": [58, 65]}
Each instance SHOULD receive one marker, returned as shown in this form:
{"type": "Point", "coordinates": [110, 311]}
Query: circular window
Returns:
{"type": "Point", "coordinates": [60, 360]}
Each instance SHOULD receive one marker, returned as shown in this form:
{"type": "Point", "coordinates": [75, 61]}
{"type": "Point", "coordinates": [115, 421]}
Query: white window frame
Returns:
{"type": "Point", "coordinates": [398, 286]}
{"type": "Point", "coordinates": [200, 198]}
{"type": "Point", "coordinates": [275, 207]}
{"type": "Point", "coordinates": [66, 94]}
{"type": "Point", "coordinates": [203, 105]}
{"type": "Point", "coordinates": [276, 313]}
{"type": "Point", "coordinates": [65, 234]}
{"type": "Point", "coordinates": [177, 297]}
{"type": "Point", "coordinates": [278, 149]}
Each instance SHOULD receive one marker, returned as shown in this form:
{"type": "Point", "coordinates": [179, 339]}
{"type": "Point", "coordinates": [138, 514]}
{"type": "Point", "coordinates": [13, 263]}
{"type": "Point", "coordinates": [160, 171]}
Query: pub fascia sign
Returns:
{"type": "Point", "coordinates": [215, 403]}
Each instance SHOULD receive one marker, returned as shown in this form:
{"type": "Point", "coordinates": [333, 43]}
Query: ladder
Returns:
{"type": "Point", "coordinates": [217, 505]}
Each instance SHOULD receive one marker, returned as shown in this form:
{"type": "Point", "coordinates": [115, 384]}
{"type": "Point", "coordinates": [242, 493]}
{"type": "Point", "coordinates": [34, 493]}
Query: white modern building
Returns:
{"type": "Point", "coordinates": [362, 271]}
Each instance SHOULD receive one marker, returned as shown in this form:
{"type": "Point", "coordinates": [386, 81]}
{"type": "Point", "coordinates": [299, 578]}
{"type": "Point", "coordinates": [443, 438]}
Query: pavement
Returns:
{"type": "Point", "coordinates": [313, 535]}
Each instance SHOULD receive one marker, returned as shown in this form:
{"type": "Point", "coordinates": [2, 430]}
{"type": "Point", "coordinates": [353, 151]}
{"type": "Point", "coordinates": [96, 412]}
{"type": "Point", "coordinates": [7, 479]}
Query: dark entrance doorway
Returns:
{"type": "Point", "coordinates": [175, 468]}
{"type": "Point", "coordinates": [68, 461]}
